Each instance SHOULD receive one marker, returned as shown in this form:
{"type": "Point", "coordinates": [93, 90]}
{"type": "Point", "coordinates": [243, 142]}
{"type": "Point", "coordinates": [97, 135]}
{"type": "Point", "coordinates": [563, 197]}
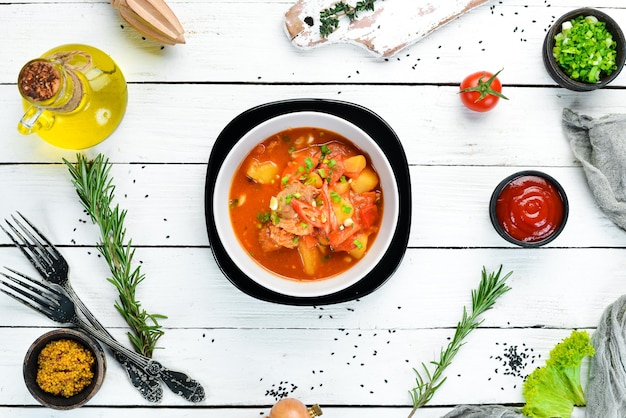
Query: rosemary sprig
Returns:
{"type": "Point", "coordinates": [491, 287]}
{"type": "Point", "coordinates": [96, 192]}
{"type": "Point", "coordinates": [329, 18]}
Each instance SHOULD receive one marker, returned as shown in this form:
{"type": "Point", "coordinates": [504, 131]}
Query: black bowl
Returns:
{"type": "Point", "coordinates": [557, 73]}
{"type": "Point", "coordinates": [497, 222]}
{"type": "Point", "coordinates": [56, 401]}
{"type": "Point", "coordinates": [364, 119]}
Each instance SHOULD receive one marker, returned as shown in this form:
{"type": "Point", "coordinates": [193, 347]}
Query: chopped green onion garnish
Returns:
{"type": "Point", "coordinates": [264, 217]}
{"type": "Point", "coordinates": [585, 50]}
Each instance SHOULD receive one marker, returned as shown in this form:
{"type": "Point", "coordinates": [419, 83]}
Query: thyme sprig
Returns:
{"type": "Point", "coordinates": [96, 192]}
{"type": "Point", "coordinates": [491, 287]}
{"type": "Point", "coordinates": [329, 18]}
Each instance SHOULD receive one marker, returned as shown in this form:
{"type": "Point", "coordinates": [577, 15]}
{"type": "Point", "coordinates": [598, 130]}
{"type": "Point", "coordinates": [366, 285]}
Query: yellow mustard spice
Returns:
{"type": "Point", "coordinates": [65, 368]}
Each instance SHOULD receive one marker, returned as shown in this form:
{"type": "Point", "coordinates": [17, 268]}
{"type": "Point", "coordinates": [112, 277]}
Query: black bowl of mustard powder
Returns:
{"type": "Point", "coordinates": [64, 368]}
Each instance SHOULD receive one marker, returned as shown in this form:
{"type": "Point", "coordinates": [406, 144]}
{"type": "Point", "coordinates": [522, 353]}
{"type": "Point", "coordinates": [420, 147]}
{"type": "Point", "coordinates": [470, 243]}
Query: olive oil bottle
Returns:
{"type": "Point", "coordinates": [74, 96]}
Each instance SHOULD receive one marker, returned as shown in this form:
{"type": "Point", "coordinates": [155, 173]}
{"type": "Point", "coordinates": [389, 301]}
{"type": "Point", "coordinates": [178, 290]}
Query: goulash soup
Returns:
{"type": "Point", "coordinates": [306, 203]}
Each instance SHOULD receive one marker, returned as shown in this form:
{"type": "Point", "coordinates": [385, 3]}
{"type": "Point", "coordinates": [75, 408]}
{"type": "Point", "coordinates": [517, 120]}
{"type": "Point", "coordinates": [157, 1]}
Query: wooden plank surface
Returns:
{"type": "Point", "coordinates": [429, 120]}
{"type": "Point", "coordinates": [354, 358]}
{"type": "Point", "coordinates": [167, 204]}
{"type": "Point", "coordinates": [506, 36]}
{"type": "Point", "coordinates": [372, 367]}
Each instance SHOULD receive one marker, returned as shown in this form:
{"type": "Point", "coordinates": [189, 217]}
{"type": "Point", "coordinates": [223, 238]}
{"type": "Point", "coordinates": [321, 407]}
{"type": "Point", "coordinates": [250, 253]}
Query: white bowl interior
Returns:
{"type": "Point", "coordinates": [265, 277]}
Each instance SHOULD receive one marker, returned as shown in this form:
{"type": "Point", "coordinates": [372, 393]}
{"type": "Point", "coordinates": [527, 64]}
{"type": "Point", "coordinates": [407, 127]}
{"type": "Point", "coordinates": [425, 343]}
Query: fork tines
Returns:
{"type": "Point", "coordinates": [31, 292]}
{"type": "Point", "coordinates": [41, 252]}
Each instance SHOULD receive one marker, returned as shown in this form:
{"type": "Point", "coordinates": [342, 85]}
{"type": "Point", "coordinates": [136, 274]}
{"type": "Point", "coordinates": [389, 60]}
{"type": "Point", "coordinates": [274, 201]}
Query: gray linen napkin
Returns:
{"type": "Point", "coordinates": [600, 145]}
{"type": "Point", "coordinates": [606, 391]}
{"type": "Point", "coordinates": [483, 411]}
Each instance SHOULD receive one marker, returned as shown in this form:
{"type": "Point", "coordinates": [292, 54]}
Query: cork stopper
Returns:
{"type": "Point", "coordinates": [39, 80]}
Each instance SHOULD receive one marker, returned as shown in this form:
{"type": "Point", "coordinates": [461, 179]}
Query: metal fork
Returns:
{"type": "Point", "coordinates": [51, 265]}
{"type": "Point", "coordinates": [52, 301]}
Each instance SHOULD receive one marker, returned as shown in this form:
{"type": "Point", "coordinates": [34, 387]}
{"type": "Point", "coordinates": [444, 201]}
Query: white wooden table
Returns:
{"type": "Point", "coordinates": [355, 359]}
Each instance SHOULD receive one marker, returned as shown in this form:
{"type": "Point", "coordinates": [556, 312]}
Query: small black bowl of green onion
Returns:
{"type": "Point", "coordinates": [584, 50]}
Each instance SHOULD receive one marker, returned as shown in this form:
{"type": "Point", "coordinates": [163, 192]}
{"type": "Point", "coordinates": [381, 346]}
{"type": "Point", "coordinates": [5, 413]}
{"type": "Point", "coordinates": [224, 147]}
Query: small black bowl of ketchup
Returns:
{"type": "Point", "coordinates": [529, 208]}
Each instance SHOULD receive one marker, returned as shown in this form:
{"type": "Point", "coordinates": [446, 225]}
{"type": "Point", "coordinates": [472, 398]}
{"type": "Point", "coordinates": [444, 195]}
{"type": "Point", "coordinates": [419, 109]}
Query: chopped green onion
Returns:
{"type": "Point", "coordinates": [263, 217]}
{"type": "Point", "coordinates": [585, 50]}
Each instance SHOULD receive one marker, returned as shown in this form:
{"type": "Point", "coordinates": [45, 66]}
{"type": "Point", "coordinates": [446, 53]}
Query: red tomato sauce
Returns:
{"type": "Point", "coordinates": [530, 208]}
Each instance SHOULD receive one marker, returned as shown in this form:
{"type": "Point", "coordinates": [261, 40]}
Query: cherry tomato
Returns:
{"type": "Point", "coordinates": [481, 91]}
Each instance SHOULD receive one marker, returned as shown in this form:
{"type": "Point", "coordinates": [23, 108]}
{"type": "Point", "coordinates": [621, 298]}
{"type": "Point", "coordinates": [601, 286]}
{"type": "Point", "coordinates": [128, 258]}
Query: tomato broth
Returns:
{"type": "Point", "coordinates": [306, 203]}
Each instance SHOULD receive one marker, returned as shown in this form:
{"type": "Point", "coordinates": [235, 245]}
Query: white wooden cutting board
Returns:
{"type": "Point", "coordinates": [392, 26]}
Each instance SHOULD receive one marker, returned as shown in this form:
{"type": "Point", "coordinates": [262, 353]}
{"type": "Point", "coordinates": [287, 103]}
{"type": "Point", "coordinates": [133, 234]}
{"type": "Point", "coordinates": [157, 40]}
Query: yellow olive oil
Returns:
{"type": "Point", "coordinates": [74, 96]}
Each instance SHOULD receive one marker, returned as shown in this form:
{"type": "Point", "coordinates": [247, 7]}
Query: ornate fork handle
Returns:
{"type": "Point", "coordinates": [178, 382]}
{"type": "Point", "coordinates": [148, 385]}
{"type": "Point", "coordinates": [53, 267]}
